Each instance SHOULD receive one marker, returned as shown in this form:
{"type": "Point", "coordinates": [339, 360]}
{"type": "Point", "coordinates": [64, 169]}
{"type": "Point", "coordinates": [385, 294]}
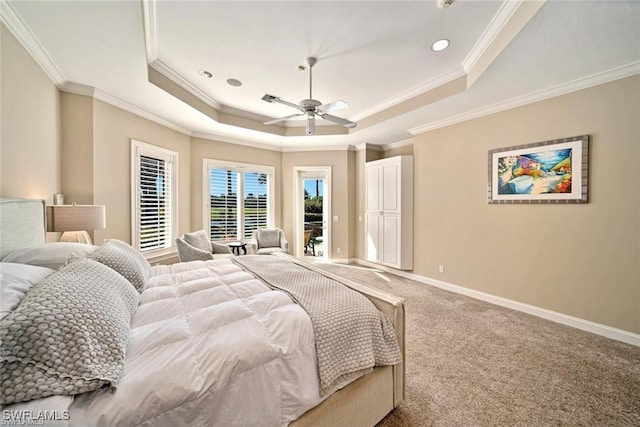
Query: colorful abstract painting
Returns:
{"type": "Point", "coordinates": [544, 172]}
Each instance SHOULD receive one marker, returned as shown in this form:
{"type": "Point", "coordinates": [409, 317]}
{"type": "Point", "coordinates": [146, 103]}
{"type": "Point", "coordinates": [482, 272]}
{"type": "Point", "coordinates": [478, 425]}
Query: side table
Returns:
{"type": "Point", "coordinates": [236, 246]}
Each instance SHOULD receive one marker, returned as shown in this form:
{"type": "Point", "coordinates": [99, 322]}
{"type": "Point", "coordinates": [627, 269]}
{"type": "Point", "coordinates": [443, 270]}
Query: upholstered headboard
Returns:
{"type": "Point", "coordinates": [22, 224]}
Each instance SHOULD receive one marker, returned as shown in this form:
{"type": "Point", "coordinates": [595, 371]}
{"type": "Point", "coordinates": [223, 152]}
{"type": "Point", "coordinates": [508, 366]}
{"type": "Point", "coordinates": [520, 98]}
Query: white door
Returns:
{"type": "Point", "coordinates": [373, 237]}
{"type": "Point", "coordinates": [390, 237]}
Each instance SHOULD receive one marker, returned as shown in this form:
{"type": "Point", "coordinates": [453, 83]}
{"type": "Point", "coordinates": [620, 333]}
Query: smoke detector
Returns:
{"type": "Point", "coordinates": [443, 4]}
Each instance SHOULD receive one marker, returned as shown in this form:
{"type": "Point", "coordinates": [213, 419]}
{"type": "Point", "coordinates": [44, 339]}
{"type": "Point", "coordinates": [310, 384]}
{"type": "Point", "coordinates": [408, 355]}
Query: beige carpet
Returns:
{"type": "Point", "coordinates": [471, 363]}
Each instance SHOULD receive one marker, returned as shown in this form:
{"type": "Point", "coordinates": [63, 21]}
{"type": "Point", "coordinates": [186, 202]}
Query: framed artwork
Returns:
{"type": "Point", "coordinates": [542, 172]}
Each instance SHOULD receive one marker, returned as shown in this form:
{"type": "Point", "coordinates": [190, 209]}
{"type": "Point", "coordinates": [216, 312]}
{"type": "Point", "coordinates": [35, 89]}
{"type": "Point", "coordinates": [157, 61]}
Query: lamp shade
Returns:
{"type": "Point", "coordinates": [76, 217]}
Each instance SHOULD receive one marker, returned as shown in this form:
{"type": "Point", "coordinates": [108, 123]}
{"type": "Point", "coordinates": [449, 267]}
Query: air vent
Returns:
{"type": "Point", "coordinates": [269, 98]}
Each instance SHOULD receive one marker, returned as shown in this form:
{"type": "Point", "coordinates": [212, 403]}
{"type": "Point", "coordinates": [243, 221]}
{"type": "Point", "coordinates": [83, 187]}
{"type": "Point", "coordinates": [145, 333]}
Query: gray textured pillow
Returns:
{"type": "Point", "coordinates": [69, 334]}
{"type": "Point", "coordinates": [199, 239]}
{"type": "Point", "coordinates": [220, 248]}
{"type": "Point", "coordinates": [268, 238]}
{"type": "Point", "coordinates": [124, 259]}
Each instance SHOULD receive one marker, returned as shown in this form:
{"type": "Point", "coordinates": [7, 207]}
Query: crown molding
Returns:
{"type": "Point", "coordinates": [123, 105]}
{"type": "Point", "coordinates": [17, 27]}
{"type": "Point", "coordinates": [506, 11]}
{"type": "Point", "coordinates": [171, 74]}
{"type": "Point", "coordinates": [78, 89]}
{"type": "Point", "coordinates": [412, 93]}
{"type": "Point", "coordinates": [237, 141]}
{"type": "Point", "coordinates": [511, 18]}
{"type": "Point", "coordinates": [479, 55]}
{"type": "Point", "coordinates": [150, 29]}
{"type": "Point", "coordinates": [117, 102]}
{"type": "Point", "coordinates": [563, 89]}
{"type": "Point", "coordinates": [340, 147]}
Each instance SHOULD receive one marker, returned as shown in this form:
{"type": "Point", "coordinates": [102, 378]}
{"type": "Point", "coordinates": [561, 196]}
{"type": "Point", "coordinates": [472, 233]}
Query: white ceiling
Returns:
{"type": "Point", "coordinates": [373, 54]}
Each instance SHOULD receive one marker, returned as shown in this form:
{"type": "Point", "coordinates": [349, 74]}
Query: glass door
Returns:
{"type": "Point", "coordinates": [315, 217]}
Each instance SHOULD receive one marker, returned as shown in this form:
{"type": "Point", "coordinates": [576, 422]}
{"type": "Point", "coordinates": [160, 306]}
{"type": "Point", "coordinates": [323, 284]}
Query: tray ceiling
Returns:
{"type": "Point", "coordinates": [147, 56]}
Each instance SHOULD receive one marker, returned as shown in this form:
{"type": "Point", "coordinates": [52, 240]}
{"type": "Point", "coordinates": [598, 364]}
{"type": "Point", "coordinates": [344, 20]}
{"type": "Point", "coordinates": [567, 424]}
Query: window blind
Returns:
{"type": "Point", "coordinates": [154, 212]}
{"type": "Point", "coordinates": [255, 202]}
{"type": "Point", "coordinates": [238, 202]}
{"type": "Point", "coordinates": [224, 204]}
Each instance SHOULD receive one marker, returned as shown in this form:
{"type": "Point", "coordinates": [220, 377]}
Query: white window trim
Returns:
{"type": "Point", "coordinates": [139, 148]}
{"type": "Point", "coordinates": [208, 164]}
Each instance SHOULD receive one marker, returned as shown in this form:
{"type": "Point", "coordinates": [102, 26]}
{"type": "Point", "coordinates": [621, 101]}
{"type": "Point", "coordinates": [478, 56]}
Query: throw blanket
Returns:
{"type": "Point", "coordinates": [352, 335]}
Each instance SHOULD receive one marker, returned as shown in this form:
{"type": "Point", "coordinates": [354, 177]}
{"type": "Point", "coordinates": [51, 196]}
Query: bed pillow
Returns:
{"type": "Point", "coordinates": [51, 255]}
{"type": "Point", "coordinates": [220, 248]}
{"type": "Point", "coordinates": [69, 334]}
{"type": "Point", "coordinates": [124, 259]}
{"type": "Point", "coordinates": [15, 282]}
{"type": "Point", "coordinates": [199, 239]}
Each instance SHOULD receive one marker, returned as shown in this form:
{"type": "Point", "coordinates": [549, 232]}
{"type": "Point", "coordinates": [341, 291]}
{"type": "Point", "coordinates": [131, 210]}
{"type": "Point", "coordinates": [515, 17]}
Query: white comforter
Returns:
{"type": "Point", "coordinates": [210, 346]}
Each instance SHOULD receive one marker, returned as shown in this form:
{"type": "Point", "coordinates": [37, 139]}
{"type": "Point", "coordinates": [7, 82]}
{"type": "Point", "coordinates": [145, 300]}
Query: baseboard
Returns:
{"type": "Point", "coordinates": [575, 322]}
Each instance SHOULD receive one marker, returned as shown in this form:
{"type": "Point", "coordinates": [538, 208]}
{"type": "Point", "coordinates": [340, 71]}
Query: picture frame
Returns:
{"type": "Point", "coordinates": [554, 171]}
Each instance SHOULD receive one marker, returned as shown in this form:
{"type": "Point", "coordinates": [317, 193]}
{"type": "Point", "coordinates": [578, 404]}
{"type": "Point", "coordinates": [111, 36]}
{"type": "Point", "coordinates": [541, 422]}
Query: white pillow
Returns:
{"type": "Point", "coordinates": [51, 255]}
{"type": "Point", "coordinates": [15, 282]}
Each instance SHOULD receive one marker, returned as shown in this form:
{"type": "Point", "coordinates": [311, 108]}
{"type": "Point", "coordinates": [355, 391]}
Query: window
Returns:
{"type": "Point", "coordinates": [238, 199]}
{"type": "Point", "coordinates": [153, 195]}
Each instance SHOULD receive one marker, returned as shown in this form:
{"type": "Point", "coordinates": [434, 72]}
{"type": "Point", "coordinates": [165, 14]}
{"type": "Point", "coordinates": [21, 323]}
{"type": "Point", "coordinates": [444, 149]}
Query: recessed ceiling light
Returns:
{"type": "Point", "coordinates": [205, 73]}
{"type": "Point", "coordinates": [440, 45]}
{"type": "Point", "coordinates": [234, 82]}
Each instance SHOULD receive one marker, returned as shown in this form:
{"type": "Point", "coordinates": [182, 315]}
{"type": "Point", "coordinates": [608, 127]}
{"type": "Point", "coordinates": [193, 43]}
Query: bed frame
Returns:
{"type": "Point", "coordinates": [364, 402]}
{"type": "Point", "coordinates": [369, 399]}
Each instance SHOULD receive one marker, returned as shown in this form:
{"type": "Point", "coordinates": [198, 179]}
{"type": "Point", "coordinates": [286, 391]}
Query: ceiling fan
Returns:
{"type": "Point", "coordinates": [311, 107]}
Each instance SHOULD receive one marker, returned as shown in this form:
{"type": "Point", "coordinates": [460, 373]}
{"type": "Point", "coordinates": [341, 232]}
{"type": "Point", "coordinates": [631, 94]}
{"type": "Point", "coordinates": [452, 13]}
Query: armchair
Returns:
{"type": "Point", "coordinates": [269, 240]}
{"type": "Point", "coordinates": [198, 246]}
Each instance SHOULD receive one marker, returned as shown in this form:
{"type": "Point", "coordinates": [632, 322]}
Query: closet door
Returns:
{"type": "Point", "coordinates": [389, 212]}
{"type": "Point", "coordinates": [373, 237]}
{"type": "Point", "coordinates": [390, 186]}
{"type": "Point", "coordinates": [373, 197]}
{"type": "Point", "coordinates": [391, 239]}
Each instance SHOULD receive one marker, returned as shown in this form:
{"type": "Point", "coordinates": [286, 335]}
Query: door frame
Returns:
{"type": "Point", "coordinates": [300, 174]}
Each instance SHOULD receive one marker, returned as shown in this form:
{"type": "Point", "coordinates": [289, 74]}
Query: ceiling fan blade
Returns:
{"type": "Point", "coordinates": [339, 120]}
{"type": "Point", "coordinates": [331, 106]}
{"type": "Point", "coordinates": [272, 98]}
{"type": "Point", "coordinates": [282, 119]}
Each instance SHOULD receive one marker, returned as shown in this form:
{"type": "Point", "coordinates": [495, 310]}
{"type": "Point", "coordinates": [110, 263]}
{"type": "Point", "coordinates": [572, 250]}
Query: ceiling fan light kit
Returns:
{"type": "Point", "coordinates": [310, 107]}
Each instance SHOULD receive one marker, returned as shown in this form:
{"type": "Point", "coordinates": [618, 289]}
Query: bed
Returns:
{"type": "Point", "coordinates": [202, 343]}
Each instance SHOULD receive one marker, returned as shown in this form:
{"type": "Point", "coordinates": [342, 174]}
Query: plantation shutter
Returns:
{"type": "Point", "coordinates": [224, 204]}
{"type": "Point", "coordinates": [239, 199]}
{"type": "Point", "coordinates": [255, 202]}
{"type": "Point", "coordinates": [154, 210]}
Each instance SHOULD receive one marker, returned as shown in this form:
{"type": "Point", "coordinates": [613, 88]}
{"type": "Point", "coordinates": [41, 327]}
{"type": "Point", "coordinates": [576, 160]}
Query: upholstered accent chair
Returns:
{"type": "Point", "coordinates": [268, 241]}
{"type": "Point", "coordinates": [198, 246]}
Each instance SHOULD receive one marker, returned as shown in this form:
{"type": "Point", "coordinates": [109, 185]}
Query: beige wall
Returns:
{"type": "Point", "coordinates": [580, 260]}
{"type": "Point", "coordinates": [77, 148]}
{"type": "Point", "coordinates": [202, 149]}
{"type": "Point", "coordinates": [113, 129]}
{"type": "Point", "coordinates": [342, 195]}
{"type": "Point", "coordinates": [30, 122]}
{"type": "Point", "coordinates": [402, 150]}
